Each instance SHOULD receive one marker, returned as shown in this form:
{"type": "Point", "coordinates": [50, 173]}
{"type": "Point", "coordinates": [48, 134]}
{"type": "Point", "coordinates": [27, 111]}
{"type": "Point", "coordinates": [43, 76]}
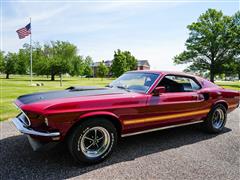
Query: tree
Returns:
{"type": "Point", "coordinates": [77, 68]}
{"type": "Point", "coordinates": [236, 60]}
{"type": "Point", "coordinates": [119, 64]}
{"type": "Point", "coordinates": [57, 57]}
{"type": "Point", "coordinates": [88, 72]}
{"type": "Point", "coordinates": [41, 59]}
{"type": "Point", "coordinates": [88, 66]}
{"type": "Point", "coordinates": [1, 61]}
{"type": "Point", "coordinates": [54, 58]}
{"type": "Point", "coordinates": [130, 60]}
{"type": "Point", "coordinates": [122, 62]}
{"type": "Point", "coordinates": [201, 72]}
{"type": "Point", "coordinates": [23, 62]}
{"type": "Point", "coordinates": [10, 64]}
{"type": "Point", "coordinates": [237, 67]}
{"type": "Point", "coordinates": [232, 68]}
{"type": "Point", "coordinates": [213, 41]}
{"type": "Point", "coordinates": [102, 70]}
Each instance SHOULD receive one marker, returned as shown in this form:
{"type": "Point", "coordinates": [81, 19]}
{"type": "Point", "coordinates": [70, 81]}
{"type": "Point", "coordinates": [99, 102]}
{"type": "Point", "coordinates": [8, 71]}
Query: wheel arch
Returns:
{"type": "Point", "coordinates": [224, 103]}
{"type": "Point", "coordinates": [114, 119]}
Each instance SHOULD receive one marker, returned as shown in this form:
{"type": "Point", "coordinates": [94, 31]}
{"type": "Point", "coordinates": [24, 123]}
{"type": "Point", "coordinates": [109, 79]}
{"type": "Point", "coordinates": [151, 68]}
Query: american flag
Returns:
{"type": "Point", "coordinates": [25, 31]}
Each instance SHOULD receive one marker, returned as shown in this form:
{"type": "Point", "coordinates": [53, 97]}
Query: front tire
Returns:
{"type": "Point", "coordinates": [216, 119]}
{"type": "Point", "coordinates": [92, 141]}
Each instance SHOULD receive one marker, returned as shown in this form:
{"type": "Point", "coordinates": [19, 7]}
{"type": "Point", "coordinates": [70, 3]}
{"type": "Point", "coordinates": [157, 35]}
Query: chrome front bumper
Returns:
{"type": "Point", "coordinates": [27, 130]}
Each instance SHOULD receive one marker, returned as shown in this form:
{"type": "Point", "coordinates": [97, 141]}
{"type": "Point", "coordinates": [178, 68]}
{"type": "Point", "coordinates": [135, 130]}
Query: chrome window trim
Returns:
{"type": "Point", "coordinates": [156, 81]}
{"type": "Point", "coordinates": [186, 76]}
{"type": "Point", "coordinates": [170, 74]}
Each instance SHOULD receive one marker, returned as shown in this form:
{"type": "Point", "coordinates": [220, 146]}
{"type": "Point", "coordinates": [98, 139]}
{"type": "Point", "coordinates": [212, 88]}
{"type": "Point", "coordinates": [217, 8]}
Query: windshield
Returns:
{"type": "Point", "coordinates": [135, 81]}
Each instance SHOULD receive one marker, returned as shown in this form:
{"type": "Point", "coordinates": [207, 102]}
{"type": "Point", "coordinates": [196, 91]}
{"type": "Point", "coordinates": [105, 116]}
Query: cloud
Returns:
{"type": "Point", "coordinates": [159, 54]}
{"type": "Point", "coordinates": [96, 28]}
{"type": "Point", "coordinates": [152, 31]}
{"type": "Point", "coordinates": [38, 15]}
{"type": "Point", "coordinates": [73, 16]}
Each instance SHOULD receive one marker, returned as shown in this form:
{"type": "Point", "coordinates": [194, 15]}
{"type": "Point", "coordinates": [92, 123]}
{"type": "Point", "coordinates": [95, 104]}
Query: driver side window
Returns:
{"type": "Point", "coordinates": [173, 83]}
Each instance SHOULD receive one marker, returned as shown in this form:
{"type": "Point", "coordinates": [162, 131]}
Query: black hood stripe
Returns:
{"type": "Point", "coordinates": [68, 93]}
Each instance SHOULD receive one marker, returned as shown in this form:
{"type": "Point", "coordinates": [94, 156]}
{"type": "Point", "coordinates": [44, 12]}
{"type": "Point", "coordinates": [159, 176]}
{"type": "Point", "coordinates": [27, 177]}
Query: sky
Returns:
{"type": "Point", "coordinates": [153, 30]}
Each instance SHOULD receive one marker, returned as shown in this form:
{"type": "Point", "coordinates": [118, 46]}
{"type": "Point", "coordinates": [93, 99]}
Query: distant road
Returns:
{"type": "Point", "coordinates": [181, 153]}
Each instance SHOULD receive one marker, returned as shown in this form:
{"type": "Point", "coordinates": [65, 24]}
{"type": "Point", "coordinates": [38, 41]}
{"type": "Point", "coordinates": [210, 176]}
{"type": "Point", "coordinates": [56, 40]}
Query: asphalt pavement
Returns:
{"type": "Point", "coordinates": [179, 153]}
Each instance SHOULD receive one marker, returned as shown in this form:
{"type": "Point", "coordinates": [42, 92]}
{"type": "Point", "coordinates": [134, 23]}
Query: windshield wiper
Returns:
{"type": "Point", "coordinates": [119, 86]}
{"type": "Point", "coordinates": [123, 87]}
{"type": "Point", "coordinates": [110, 86]}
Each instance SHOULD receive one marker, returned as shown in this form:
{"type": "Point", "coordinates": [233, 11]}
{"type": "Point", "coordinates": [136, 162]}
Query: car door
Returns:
{"type": "Point", "coordinates": [182, 102]}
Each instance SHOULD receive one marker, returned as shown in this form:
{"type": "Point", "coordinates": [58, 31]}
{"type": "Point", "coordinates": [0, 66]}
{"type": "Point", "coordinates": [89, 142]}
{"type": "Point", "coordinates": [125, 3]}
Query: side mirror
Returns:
{"type": "Point", "coordinates": [159, 90]}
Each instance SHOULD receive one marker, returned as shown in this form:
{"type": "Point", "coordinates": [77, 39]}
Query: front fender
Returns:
{"type": "Point", "coordinates": [102, 113]}
{"type": "Point", "coordinates": [98, 113]}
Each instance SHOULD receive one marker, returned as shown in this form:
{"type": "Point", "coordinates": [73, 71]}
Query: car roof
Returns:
{"type": "Point", "coordinates": [166, 72]}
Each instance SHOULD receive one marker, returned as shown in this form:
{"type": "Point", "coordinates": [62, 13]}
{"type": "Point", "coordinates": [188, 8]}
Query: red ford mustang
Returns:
{"type": "Point", "coordinates": [90, 119]}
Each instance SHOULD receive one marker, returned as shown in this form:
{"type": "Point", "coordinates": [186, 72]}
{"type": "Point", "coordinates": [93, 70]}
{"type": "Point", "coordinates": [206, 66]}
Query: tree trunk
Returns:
{"type": "Point", "coordinates": [212, 74]}
{"type": "Point", "coordinates": [52, 74]}
{"type": "Point", "coordinates": [60, 79]}
{"type": "Point", "coordinates": [239, 76]}
{"type": "Point", "coordinates": [7, 76]}
{"type": "Point", "coordinates": [52, 77]}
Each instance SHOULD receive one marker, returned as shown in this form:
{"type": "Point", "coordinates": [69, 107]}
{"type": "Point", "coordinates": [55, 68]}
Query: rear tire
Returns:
{"type": "Point", "coordinates": [216, 119]}
{"type": "Point", "coordinates": [92, 141]}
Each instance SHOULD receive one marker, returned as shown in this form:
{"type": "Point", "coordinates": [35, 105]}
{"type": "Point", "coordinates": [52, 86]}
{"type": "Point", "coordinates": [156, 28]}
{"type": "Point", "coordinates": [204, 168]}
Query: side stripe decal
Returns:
{"type": "Point", "coordinates": [165, 117]}
{"type": "Point", "coordinates": [232, 106]}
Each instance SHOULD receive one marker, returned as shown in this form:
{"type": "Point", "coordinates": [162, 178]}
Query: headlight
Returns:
{"type": "Point", "coordinates": [23, 116]}
{"type": "Point", "coordinates": [36, 119]}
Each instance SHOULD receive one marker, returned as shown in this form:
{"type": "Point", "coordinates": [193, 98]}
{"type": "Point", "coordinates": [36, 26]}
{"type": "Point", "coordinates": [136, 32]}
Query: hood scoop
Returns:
{"type": "Point", "coordinates": [84, 88]}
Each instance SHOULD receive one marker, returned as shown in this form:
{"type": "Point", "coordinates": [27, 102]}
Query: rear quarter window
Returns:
{"type": "Point", "coordinates": [178, 83]}
{"type": "Point", "coordinates": [206, 83]}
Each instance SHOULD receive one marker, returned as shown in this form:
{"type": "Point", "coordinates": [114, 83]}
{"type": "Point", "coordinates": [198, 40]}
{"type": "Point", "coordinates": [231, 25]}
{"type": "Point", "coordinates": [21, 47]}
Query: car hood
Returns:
{"type": "Point", "coordinates": [79, 99]}
{"type": "Point", "coordinates": [68, 93]}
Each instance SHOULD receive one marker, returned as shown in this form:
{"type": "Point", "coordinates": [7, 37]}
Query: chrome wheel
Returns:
{"type": "Point", "coordinates": [218, 118]}
{"type": "Point", "coordinates": [94, 142]}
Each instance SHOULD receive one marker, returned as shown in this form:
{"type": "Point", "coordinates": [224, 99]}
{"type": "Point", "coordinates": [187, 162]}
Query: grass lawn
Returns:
{"type": "Point", "coordinates": [235, 85]}
{"type": "Point", "coordinates": [11, 88]}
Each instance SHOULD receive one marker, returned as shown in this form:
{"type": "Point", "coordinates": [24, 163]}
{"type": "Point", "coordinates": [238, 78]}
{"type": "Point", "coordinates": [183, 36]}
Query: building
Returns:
{"type": "Point", "coordinates": [141, 65]}
{"type": "Point", "coordinates": [95, 65]}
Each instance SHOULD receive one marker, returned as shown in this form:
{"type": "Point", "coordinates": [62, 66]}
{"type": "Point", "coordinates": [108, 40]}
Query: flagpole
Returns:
{"type": "Point", "coordinates": [31, 53]}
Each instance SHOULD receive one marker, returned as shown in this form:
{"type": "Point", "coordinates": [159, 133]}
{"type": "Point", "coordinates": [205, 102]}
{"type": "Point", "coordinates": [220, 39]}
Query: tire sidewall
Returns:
{"type": "Point", "coordinates": [75, 140]}
{"type": "Point", "coordinates": [209, 121]}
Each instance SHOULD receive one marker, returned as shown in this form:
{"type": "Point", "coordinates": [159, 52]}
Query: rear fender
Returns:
{"type": "Point", "coordinates": [221, 102]}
